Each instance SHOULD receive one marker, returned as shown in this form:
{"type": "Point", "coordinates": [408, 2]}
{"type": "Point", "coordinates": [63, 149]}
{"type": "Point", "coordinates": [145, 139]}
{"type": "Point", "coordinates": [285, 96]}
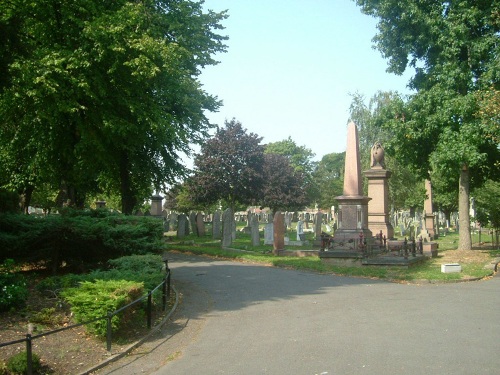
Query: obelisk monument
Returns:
{"type": "Point", "coordinates": [353, 206]}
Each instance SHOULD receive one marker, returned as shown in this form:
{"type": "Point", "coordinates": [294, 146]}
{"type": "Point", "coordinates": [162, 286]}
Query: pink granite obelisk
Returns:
{"type": "Point", "coordinates": [353, 206]}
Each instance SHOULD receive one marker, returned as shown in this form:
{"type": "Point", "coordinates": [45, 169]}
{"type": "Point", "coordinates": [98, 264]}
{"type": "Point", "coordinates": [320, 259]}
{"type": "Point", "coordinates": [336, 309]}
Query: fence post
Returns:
{"type": "Point", "coordinates": [149, 309]}
{"type": "Point", "coordinates": [108, 331]}
{"type": "Point", "coordinates": [164, 294]}
{"type": "Point", "coordinates": [168, 283]}
{"type": "Point", "coordinates": [29, 354]}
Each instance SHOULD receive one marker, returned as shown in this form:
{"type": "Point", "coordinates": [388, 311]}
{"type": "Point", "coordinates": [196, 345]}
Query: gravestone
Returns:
{"type": "Point", "coordinates": [200, 225]}
{"type": "Point", "coordinates": [181, 226]}
{"type": "Point", "coordinates": [278, 233]}
{"type": "Point", "coordinates": [254, 225]}
{"type": "Point", "coordinates": [318, 221]}
{"type": "Point", "coordinates": [166, 225]}
{"type": "Point", "coordinates": [192, 221]}
{"type": "Point", "coordinates": [216, 225]}
{"type": "Point", "coordinates": [300, 231]}
{"type": "Point", "coordinates": [268, 234]}
{"type": "Point", "coordinates": [227, 227]}
{"type": "Point", "coordinates": [173, 220]}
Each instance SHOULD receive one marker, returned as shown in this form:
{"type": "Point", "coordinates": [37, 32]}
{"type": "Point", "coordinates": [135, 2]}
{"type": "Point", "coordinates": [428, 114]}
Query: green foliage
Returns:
{"type": "Point", "coordinates": [229, 167]}
{"type": "Point", "coordinates": [487, 200]}
{"type": "Point", "coordinates": [329, 177]}
{"type": "Point", "coordinates": [13, 288]}
{"type": "Point", "coordinates": [102, 96]}
{"type": "Point", "coordinates": [9, 201]}
{"type": "Point", "coordinates": [284, 188]}
{"type": "Point", "coordinates": [78, 237]}
{"type": "Point", "coordinates": [18, 363]}
{"type": "Point", "coordinates": [96, 299]}
{"type": "Point", "coordinates": [146, 269]}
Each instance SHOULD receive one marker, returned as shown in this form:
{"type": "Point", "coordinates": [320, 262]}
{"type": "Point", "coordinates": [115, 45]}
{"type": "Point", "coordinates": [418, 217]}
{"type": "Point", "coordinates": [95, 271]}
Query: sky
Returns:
{"type": "Point", "coordinates": [291, 67]}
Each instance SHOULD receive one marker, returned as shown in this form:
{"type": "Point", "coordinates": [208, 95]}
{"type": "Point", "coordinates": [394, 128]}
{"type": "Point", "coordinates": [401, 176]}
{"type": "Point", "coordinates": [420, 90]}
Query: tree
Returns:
{"type": "Point", "coordinates": [229, 167]}
{"type": "Point", "coordinates": [487, 200]}
{"type": "Point", "coordinates": [406, 189]}
{"type": "Point", "coordinates": [329, 177]}
{"type": "Point", "coordinates": [103, 96]}
{"type": "Point", "coordinates": [453, 46]}
{"type": "Point", "coordinates": [300, 158]}
{"type": "Point", "coordinates": [284, 186]}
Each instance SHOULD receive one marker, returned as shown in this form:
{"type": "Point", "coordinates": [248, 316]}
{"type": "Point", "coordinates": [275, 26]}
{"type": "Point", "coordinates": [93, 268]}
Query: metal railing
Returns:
{"type": "Point", "coordinates": [166, 288]}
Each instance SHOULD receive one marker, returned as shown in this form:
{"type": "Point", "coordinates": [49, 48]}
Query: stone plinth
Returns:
{"type": "Point", "coordinates": [352, 218]}
{"type": "Point", "coordinates": [156, 206]}
{"type": "Point", "coordinates": [428, 211]}
{"type": "Point", "coordinates": [378, 207]}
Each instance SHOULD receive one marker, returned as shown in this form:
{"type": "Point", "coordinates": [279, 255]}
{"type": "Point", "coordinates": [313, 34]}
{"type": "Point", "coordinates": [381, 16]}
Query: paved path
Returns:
{"type": "Point", "coordinates": [238, 318]}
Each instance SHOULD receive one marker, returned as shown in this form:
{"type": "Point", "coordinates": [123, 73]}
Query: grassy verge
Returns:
{"type": "Point", "coordinates": [430, 270]}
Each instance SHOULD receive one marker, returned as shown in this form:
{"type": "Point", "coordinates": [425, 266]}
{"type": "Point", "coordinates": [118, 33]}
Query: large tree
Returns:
{"type": "Point", "coordinates": [329, 177]}
{"type": "Point", "coordinates": [103, 95]}
{"type": "Point", "coordinates": [229, 167]}
{"type": "Point", "coordinates": [454, 48]}
{"type": "Point", "coordinates": [300, 158]}
{"type": "Point", "coordinates": [284, 186]}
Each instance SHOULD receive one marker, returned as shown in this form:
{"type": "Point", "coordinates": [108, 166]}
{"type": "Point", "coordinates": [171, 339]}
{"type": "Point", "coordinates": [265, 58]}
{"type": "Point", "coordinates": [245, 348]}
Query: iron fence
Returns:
{"type": "Point", "coordinates": [165, 286]}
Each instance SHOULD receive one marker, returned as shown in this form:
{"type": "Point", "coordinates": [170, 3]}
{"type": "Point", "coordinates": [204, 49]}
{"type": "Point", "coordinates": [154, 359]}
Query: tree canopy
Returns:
{"type": "Point", "coordinates": [103, 96]}
{"type": "Point", "coordinates": [229, 167]}
{"type": "Point", "coordinates": [454, 48]}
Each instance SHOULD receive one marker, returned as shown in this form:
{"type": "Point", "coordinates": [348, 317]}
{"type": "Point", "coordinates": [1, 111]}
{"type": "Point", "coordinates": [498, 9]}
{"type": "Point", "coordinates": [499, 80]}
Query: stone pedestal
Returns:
{"type": "Point", "coordinates": [352, 218]}
{"type": "Point", "coordinates": [156, 207]}
{"type": "Point", "coordinates": [378, 207]}
{"type": "Point", "coordinates": [428, 211]}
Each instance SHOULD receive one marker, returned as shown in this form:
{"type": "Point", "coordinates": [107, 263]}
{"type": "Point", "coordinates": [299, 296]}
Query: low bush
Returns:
{"type": "Point", "coordinates": [94, 300]}
{"type": "Point", "coordinates": [13, 288]}
{"type": "Point", "coordinates": [77, 238]}
{"type": "Point", "coordinates": [18, 364]}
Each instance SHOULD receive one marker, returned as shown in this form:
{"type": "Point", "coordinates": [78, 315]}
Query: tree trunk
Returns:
{"type": "Point", "coordinates": [128, 198]}
{"type": "Point", "coordinates": [464, 237]}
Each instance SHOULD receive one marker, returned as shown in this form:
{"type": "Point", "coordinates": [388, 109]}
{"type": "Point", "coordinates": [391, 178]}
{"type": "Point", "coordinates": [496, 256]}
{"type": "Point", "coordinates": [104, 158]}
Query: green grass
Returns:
{"type": "Point", "coordinates": [430, 270]}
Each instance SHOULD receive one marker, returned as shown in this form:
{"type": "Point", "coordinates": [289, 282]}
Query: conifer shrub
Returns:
{"type": "Point", "coordinates": [18, 363]}
{"type": "Point", "coordinates": [96, 299]}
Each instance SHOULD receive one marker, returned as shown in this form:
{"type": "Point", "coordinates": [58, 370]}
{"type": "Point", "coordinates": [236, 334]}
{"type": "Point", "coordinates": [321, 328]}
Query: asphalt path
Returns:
{"type": "Point", "coordinates": [240, 318]}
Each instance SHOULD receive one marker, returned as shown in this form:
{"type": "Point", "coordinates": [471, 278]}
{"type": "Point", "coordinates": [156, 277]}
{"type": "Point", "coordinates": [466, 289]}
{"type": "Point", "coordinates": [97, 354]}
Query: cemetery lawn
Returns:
{"type": "Point", "coordinates": [473, 262]}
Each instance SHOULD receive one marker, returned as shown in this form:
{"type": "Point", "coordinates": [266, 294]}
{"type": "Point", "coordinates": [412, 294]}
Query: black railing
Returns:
{"type": "Point", "coordinates": [166, 288]}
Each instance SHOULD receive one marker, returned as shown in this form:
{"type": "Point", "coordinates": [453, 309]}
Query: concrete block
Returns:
{"type": "Point", "coordinates": [451, 267]}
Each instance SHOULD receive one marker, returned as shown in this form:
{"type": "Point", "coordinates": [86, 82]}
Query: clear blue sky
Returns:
{"type": "Point", "coordinates": [291, 66]}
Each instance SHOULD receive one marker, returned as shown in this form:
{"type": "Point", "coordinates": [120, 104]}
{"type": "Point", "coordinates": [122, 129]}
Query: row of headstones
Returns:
{"type": "Point", "coordinates": [225, 228]}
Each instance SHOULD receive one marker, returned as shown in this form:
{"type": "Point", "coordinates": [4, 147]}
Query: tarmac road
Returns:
{"type": "Point", "coordinates": [239, 318]}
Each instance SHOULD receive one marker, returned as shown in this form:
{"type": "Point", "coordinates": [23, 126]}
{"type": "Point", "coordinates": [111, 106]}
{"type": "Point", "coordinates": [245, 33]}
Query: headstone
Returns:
{"type": "Point", "coordinates": [278, 233]}
{"type": "Point", "coordinates": [192, 221]}
{"type": "Point", "coordinates": [318, 221]}
{"type": "Point", "coordinates": [200, 225]}
{"type": "Point", "coordinates": [227, 227]}
{"type": "Point", "coordinates": [181, 227]}
{"type": "Point", "coordinates": [173, 220]}
{"type": "Point", "coordinates": [255, 235]}
{"type": "Point", "coordinates": [268, 234]}
{"type": "Point", "coordinates": [166, 225]}
{"type": "Point", "coordinates": [300, 231]}
{"type": "Point", "coordinates": [216, 226]}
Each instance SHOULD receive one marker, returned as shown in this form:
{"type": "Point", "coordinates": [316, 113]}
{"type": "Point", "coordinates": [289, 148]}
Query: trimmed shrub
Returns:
{"type": "Point", "coordinates": [18, 364]}
{"type": "Point", "coordinates": [77, 237]}
{"type": "Point", "coordinates": [96, 299]}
